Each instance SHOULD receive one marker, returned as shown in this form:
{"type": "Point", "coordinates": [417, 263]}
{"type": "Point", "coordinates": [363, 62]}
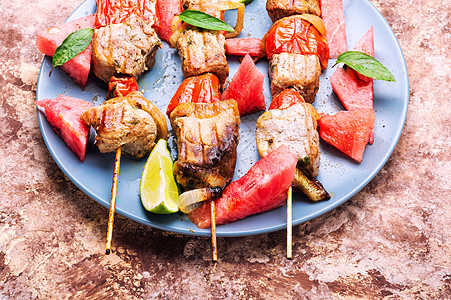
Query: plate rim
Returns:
{"type": "Point", "coordinates": [206, 232]}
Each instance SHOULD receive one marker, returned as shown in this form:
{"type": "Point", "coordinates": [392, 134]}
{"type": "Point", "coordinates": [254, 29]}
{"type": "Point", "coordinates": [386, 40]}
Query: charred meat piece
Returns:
{"type": "Point", "coordinates": [278, 9]}
{"type": "Point", "coordinates": [130, 122]}
{"type": "Point", "coordinates": [207, 137]}
{"type": "Point", "coordinates": [126, 48]}
{"type": "Point", "coordinates": [297, 71]}
{"type": "Point", "coordinates": [295, 127]}
{"type": "Point", "coordinates": [203, 51]}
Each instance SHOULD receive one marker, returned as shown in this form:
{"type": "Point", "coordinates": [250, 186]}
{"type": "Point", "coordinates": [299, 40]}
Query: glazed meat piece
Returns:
{"type": "Point", "coordinates": [295, 127]}
{"type": "Point", "coordinates": [207, 137]}
{"type": "Point", "coordinates": [203, 51]}
{"type": "Point", "coordinates": [130, 122]}
{"type": "Point", "coordinates": [278, 9]}
{"type": "Point", "coordinates": [297, 71]}
{"type": "Point", "coordinates": [126, 48]}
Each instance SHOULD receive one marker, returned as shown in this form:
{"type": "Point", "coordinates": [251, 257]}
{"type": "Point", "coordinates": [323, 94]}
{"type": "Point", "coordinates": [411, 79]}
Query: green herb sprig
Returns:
{"type": "Point", "coordinates": [204, 20]}
{"type": "Point", "coordinates": [366, 65]}
{"type": "Point", "coordinates": [245, 2]}
{"type": "Point", "coordinates": [74, 44]}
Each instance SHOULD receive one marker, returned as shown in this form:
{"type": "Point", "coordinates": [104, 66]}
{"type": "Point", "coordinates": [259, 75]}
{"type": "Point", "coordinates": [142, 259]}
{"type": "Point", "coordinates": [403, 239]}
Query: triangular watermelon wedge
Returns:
{"type": "Point", "coordinates": [246, 88]}
{"type": "Point", "coordinates": [353, 89]}
{"type": "Point", "coordinates": [348, 131]}
{"type": "Point", "coordinates": [366, 45]}
{"type": "Point", "coordinates": [49, 39]}
{"type": "Point", "coordinates": [63, 114]}
{"type": "Point", "coordinates": [262, 188]}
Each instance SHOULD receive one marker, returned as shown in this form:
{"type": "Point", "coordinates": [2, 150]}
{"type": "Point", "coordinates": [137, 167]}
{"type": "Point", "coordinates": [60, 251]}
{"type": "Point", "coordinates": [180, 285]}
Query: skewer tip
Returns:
{"type": "Point", "coordinates": [117, 163]}
{"type": "Point", "coordinates": [289, 224]}
{"type": "Point", "coordinates": [214, 247]}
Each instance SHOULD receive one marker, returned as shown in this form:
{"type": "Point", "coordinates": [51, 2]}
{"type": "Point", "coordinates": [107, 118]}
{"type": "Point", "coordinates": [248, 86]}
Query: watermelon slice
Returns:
{"type": "Point", "coordinates": [246, 88]}
{"type": "Point", "coordinates": [352, 88]}
{"type": "Point", "coordinates": [333, 17]}
{"type": "Point", "coordinates": [63, 114]}
{"type": "Point", "coordinates": [351, 91]}
{"type": "Point", "coordinates": [243, 46]}
{"type": "Point", "coordinates": [49, 39]}
{"type": "Point", "coordinates": [167, 10]}
{"type": "Point", "coordinates": [366, 45]}
{"type": "Point", "coordinates": [262, 188]}
{"type": "Point", "coordinates": [348, 131]}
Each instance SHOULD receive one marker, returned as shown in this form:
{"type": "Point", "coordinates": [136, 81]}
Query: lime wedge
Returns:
{"type": "Point", "coordinates": [158, 190]}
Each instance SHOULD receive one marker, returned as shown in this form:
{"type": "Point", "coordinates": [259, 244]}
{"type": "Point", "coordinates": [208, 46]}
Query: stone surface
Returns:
{"type": "Point", "coordinates": [393, 239]}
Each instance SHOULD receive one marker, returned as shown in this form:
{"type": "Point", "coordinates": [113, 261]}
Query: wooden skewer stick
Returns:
{"type": "Point", "coordinates": [289, 223]}
{"type": "Point", "coordinates": [109, 237]}
{"type": "Point", "coordinates": [214, 251]}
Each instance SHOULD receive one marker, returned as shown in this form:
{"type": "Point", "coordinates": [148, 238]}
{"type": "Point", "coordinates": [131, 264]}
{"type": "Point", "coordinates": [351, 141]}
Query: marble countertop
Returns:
{"type": "Point", "coordinates": [391, 240]}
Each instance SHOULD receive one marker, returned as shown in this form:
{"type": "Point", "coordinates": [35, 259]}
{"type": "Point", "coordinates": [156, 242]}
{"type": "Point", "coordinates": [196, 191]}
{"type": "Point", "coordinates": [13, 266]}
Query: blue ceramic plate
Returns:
{"type": "Point", "coordinates": [340, 176]}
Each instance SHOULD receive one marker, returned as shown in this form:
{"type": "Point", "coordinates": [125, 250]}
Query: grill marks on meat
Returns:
{"type": "Point", "coordinates": [126, 48]}
{"type": "Point", "coordinates": [295, 127]}
{"type": "Point", "coordinates": [297, 71]}
{"type": "Point", "coordinates": [278, 9]}
{"type": "Point", "coordinates": [124, 122]}
{"type": "Point", "coordinates": [207, 136]}
{"type": "Point", "coordinates": [203, 51]}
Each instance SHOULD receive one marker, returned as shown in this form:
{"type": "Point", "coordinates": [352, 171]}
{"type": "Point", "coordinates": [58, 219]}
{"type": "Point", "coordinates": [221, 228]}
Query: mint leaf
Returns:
{"type": "Point", "coordinates": [75, 43]}
{"type": "Point", "coordinates": [203, 20]}
{"type": "Point", "coordinates": [366, 65]}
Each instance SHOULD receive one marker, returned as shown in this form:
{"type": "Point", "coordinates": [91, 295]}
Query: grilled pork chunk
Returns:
{"type": "Point", "coordinates": [297, 71]}
{"type": "Point", "coordinates": [130, 122]}
{"type": "Point", "coordinates": [278, 9]}
{"type": "Point", "coordinates": [295, 127]}
{"type": "Point", "coordinates": [203, 51]}
{"type": "Point", "coordinates": [127, 48]}
{"type": "Point", "coordinates": [207, 137]}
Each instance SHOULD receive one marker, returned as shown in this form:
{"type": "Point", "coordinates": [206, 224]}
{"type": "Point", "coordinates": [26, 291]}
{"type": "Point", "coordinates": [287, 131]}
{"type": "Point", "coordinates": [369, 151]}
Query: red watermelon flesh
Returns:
{"type": "Point", "coordinates": [63, 114]}
{"type": "Point", "coordinates": [243, 46]}
{"type": "Point", "coordinates": [262, 188]}
{"type": "Point", "coordinates": [366, 45]}
{"type": "Point", "coordinates": [348, 131]}
{"type": "Point", "coordinates": [352, 92]}
{"type": "Point", "coordinates": [352, 88]}
{"type": "Point", "coordinates": [246, 88]}
{"type": "Point", "coordinates": [49, 39]}
{"type": "Point", "coordinates": [333, 16]}
{"type": "Point", "coordinates": [167, 10]}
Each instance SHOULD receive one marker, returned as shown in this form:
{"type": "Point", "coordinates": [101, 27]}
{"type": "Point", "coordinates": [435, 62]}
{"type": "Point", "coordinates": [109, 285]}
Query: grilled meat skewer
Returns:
{"type": "Point", "coordinates": [209, 7]}
{"type": "Point", "coordinates": [293, 123]}
{"type": "Point", "coordinates": [297, 71]}
{"type": "Point", "coordinates": [207, 137]}
{"type": "Point", "coordinates": [131, 122]}
{"type": "Point", "coordinates": [127, 48]}
{"type": "Point", "coordinates": [278, 9]}
{"type": "Point", "coordinates": [203, 51]}
{"type": "Point", "coordinates": [295, 127]}
{"type": "Point", "coordinates": [297, 52]}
